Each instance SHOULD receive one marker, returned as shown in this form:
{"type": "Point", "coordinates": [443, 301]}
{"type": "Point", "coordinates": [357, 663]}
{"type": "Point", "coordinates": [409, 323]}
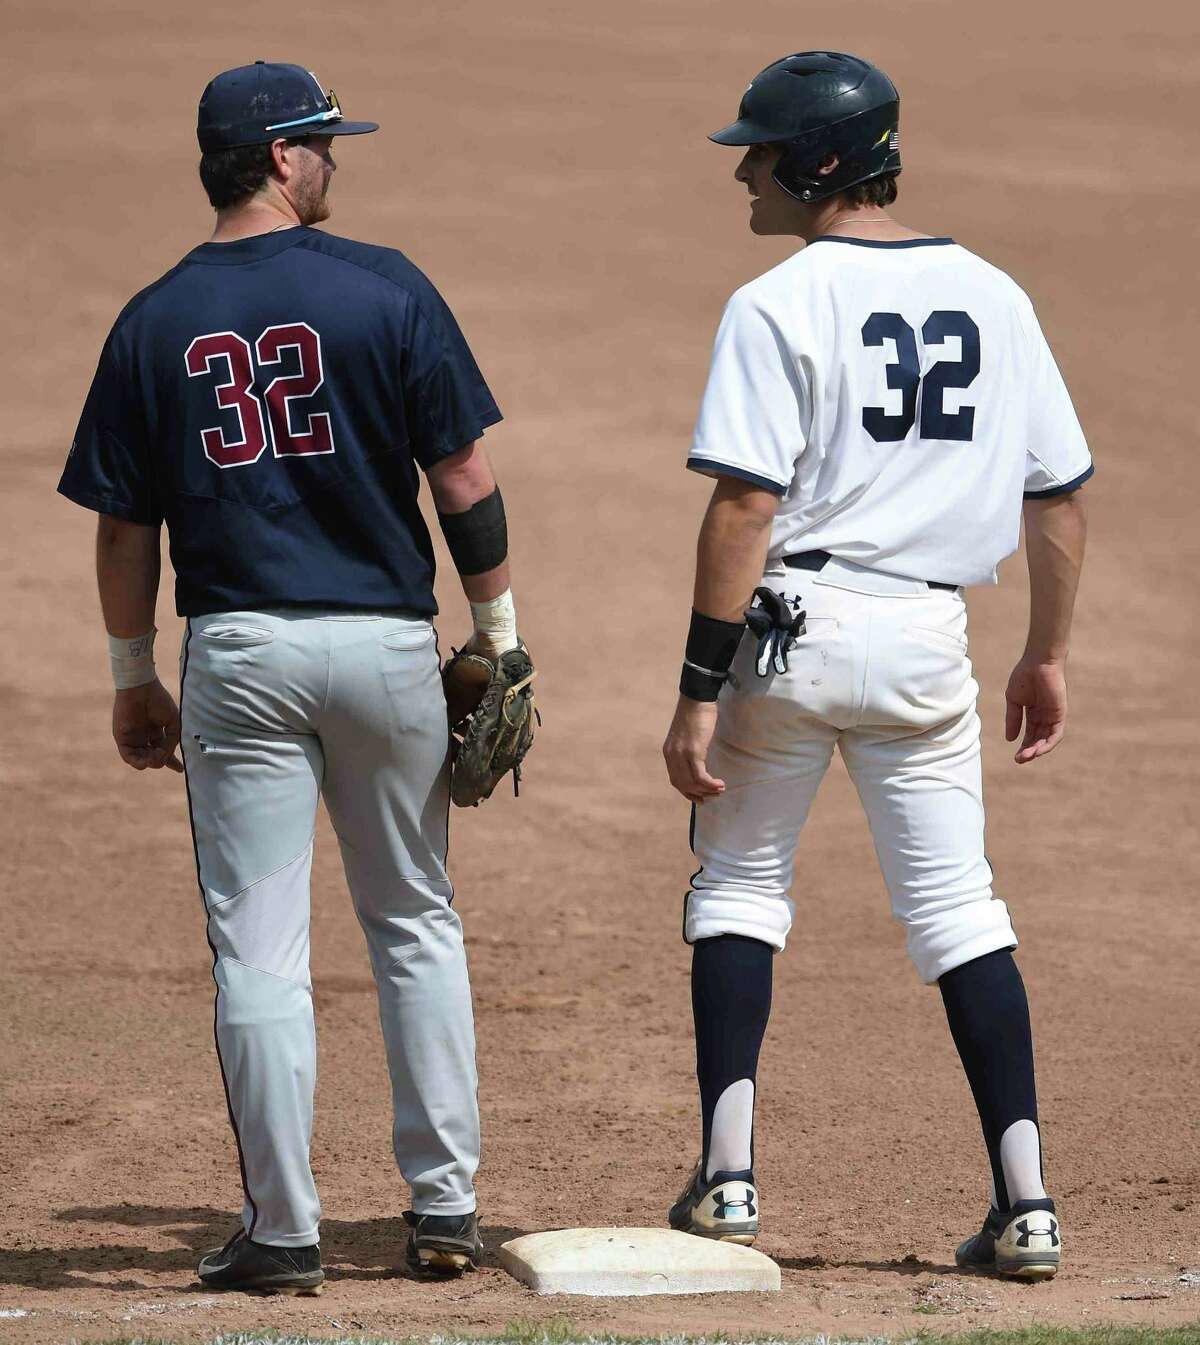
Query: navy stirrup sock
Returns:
{"type": "Point", "coordinates": [988, 1014]}
{"type": "Point", "coordinates": [731, 1002]}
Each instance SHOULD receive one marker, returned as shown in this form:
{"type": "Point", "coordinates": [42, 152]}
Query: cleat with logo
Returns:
{"type": "Point", "coordinates": [724, 1208]}
{"type": "Point", "coordinates": [1022, 1243]}
{"type": "Point", "coordinates": [256, 1267]}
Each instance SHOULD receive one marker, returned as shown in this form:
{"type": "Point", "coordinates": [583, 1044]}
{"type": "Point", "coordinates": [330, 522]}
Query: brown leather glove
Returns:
{"type": "Point", "coordinates": [492, 717]}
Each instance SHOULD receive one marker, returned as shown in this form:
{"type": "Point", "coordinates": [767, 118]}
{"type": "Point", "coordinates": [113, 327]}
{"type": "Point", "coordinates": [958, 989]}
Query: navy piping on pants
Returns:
{"type": "Point", "coordinates": [692, 879]}
{"type": "Point", "coordinates": [187, 640]}
{"type": "Point", "coordinates": [437, 649]}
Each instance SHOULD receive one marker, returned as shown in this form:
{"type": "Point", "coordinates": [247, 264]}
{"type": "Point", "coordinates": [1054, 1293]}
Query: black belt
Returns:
{"type": "Point", "coordinates": [817, 560]}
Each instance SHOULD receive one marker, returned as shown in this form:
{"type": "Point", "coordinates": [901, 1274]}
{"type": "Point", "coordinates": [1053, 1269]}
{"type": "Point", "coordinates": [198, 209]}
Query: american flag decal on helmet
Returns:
{"type": "Point", "coordinates": [894, 141]}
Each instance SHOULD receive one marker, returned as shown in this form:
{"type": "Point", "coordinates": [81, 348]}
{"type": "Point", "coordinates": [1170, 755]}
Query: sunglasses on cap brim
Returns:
{"type": "Point", "coordinates": [331, 114]}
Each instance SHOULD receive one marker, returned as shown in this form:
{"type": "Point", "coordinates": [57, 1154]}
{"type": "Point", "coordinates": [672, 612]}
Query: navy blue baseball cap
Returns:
{"type": "Point", "coordinates": [266, 101]}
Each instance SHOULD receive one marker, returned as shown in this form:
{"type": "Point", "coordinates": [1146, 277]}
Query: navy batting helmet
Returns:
{"type": "Point", "coordinates": [818, 103]}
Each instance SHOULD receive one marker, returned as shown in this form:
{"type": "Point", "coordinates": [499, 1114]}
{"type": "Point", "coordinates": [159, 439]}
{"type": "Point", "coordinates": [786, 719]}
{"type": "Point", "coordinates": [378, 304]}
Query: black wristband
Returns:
{"type": "Point", "coordinates": [698, 685]}
{"type": "Point", "coordinates": [711, 646]}
{"type": "Point", "coordinates": [478, 537]}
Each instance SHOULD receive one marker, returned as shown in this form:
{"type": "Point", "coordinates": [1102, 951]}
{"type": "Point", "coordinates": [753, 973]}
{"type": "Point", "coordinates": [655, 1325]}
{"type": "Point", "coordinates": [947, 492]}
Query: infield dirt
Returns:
{"type": "Point", "coordinates": [546, 165]}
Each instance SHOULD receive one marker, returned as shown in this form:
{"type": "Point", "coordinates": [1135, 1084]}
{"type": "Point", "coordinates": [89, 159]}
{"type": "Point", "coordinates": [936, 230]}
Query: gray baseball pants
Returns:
{"type": "Point", "coordinates": [279, 709]}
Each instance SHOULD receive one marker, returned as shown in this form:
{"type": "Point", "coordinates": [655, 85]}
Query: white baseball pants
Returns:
{"type": "Point", "coordinates": [280, 708]}
{"type": "Point", "coordinates": [883, 675]}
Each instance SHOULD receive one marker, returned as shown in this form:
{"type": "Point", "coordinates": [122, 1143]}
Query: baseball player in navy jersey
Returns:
{"type": "Point", "coordinates": [882, 410]}
{"type": "Point", "coordinates": [274, 399]}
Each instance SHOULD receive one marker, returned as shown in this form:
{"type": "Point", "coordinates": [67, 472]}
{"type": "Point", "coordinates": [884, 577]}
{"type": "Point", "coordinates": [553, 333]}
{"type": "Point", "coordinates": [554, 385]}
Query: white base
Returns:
{"type": "Point", "coordinates": [610, 1262]}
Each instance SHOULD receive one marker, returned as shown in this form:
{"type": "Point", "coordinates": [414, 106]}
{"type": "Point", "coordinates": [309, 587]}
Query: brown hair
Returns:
{"type": "Point", "coordinates": [875, 191]}
{"type": "Point", "coordinates": [229, 176]}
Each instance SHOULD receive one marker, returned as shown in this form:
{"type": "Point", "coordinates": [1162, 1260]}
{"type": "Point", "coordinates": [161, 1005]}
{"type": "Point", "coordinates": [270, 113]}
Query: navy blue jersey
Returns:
{"type": "Point", "coordinates": [271, 399]}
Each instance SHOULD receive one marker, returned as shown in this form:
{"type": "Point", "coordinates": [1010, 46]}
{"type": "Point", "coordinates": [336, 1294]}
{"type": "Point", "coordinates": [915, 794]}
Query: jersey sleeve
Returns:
{"type": "Point", "coordinates": [753, 410]}
{"type": "Point", "coordinates": [108, 468]}
{"type": "Point", "coordinates": [447, 403]}
{"type": "Point", "coordinates": [1057, 459]}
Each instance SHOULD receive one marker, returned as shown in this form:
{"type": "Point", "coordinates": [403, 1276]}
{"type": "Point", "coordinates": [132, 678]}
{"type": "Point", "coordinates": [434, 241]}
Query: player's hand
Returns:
{"type": "Point", "coordinates": [686, 750]}
{"type": "Point", "coordinates": [1037, 695]}
{"type": "Point", "coordinates": [146, 727]}
{"type": "Point", "coordinates": [489, 647]}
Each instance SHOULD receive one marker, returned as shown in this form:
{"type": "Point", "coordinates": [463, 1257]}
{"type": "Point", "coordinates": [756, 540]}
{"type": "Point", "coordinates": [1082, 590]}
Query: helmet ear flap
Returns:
{"type": "Point", "coordinates": [796, 171]}
{"type": "Point", "coordinates": [866, 145]}
{"type": "Point", "coordinates": [793, 186]}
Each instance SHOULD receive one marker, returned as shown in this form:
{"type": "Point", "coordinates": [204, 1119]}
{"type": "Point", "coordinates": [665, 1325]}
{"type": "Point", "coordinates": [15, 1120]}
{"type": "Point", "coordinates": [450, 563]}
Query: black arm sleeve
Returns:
{"type": "Point", "coordinates": [478, 537]}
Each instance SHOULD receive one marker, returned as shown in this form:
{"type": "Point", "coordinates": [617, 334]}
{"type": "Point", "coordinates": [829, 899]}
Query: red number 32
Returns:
{"type": "Point", "coordinates": [292, 433]}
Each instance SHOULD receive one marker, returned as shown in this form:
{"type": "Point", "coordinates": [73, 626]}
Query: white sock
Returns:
{"type": "Point", "coordinates": [1021, 1159]}
{"type": "Point", "coordinates": [732, 1127]}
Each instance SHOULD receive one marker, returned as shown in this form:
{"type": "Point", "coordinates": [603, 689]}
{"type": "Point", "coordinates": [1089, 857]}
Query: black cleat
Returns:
{"type": "Point", "coordinates": [724, 1208]}
{"type": "Point", "coordinates": [1022, 1243]}
{"type": "Point", "coordinates": [443, 1244]}
{"type": "Point", "coordinates": [256, 1267]}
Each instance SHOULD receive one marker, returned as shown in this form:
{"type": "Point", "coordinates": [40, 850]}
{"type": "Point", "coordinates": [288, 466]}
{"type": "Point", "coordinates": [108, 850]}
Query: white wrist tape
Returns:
{"type": "Point", "coordinates": [132, 660]}
{"type": "Point", "coordinates": [496, 622]}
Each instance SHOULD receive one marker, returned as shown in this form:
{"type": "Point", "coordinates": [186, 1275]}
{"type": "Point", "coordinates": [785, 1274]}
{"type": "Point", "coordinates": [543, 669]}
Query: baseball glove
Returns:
{"type": "Point", "coordinates": [492, 716]}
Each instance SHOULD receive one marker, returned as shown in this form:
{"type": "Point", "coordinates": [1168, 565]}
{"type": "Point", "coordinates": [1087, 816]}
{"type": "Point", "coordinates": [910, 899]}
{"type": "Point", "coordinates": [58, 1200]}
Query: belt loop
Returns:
{"type": "Point", "coordinates": [807, 560]}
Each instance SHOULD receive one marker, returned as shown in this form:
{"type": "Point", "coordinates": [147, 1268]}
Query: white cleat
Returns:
{"type": "Point", "coordinates": [1023, 1243]}
{"type": "Point", "coordinates": [724, 1208]}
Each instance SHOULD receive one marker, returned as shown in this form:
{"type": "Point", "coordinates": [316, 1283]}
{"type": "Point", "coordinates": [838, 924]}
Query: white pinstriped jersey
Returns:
{"type": "Point", "coordinates": [901, 400]}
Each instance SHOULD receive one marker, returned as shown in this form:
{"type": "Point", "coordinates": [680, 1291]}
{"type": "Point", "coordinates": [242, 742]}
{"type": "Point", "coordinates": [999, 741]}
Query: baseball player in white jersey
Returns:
{"type": "Point", "coordinates": [881, 412]}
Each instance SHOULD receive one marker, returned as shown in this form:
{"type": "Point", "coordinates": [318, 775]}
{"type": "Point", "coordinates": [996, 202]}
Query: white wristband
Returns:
{"type": "Point", "coordinates": [132, 660]}
{"type": "Point", "coordinates": [496, 622]}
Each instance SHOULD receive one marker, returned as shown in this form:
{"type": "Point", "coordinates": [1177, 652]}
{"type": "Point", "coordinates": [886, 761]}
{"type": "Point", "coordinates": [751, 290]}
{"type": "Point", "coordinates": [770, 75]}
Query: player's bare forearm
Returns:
{"type": "Point", "coordinates": [459, 483]}
{"type": "Point", "coordinates": [730, 556]}
{"type": "Point", "coordinates": [1036, 696]}
{"type": "Point", "coordinates": [732, 548]}
{"type": "Point", "coordinates": [127, 572]}
{"type": "Point", "coordinates": [1055, 536]}
{"type": "Point", "coordinates": [145, 721]}
{"type": "Point", "coordinates": [488, 585]}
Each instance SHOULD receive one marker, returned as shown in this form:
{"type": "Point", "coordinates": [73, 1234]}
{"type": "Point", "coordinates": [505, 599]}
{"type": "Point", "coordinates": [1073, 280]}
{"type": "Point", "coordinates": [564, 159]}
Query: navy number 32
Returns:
{"type": "Point", "coordinates": [904, 375]}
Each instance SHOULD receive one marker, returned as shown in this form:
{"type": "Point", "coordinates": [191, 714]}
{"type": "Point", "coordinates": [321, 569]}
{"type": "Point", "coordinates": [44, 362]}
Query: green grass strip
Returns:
{"type": "Point", "coordinates": [562, 1331]}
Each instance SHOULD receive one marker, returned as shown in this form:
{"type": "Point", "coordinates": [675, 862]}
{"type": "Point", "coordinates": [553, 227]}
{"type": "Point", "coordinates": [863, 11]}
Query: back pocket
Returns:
{"type": "Point", "coordinates": [407, 637]}
{"type": "Point", "coordinates": [234, 633]}
{"type": "Point", "coordinates": [945, 639]}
